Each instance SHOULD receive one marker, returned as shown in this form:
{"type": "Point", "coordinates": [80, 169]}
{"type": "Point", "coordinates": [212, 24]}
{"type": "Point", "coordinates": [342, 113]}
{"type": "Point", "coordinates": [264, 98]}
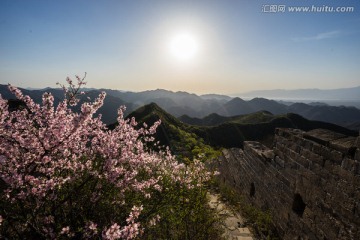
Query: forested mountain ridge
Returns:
{"type": "Point", "coordinates": [216, 106]}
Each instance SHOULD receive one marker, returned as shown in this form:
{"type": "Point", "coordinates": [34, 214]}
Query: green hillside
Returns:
{"type": "Point", "coordinates": [178, 136]}
{"type": "Point", "coordinates": [190, 141]}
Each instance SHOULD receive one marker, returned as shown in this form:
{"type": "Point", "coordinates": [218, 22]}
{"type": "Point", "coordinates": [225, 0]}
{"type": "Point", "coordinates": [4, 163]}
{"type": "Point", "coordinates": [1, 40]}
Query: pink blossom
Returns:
{"type": "Point", "coordinates": [113, 232]}
{"type": "Point", "coordinates": [49, 154]}
{"type": "Point", "coordinates": [65, 230]}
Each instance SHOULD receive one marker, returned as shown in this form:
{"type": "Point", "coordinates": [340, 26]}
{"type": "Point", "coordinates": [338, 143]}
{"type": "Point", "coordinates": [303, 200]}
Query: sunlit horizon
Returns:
{"type": "Point", "coordinates": [221, 47]}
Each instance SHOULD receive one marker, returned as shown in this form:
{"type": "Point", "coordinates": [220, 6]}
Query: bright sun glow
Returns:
{"type": "Point", "coordinates": [183, 46]}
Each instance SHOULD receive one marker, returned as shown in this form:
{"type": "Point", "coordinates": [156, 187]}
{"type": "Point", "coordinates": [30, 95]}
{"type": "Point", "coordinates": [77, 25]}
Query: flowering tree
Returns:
{"type": "Point", "coordinates": [64, 174]}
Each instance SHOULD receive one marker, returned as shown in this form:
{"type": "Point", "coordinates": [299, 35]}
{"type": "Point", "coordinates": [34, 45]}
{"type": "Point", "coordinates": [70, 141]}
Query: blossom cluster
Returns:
{"type": "Point", "coordinates": [65, 174]}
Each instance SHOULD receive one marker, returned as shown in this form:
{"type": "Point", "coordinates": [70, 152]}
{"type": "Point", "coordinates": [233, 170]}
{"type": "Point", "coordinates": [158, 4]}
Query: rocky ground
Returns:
{"type": "Point", "coordinates": [233, 223]}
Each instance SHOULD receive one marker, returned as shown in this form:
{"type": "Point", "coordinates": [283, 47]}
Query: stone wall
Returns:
{"type": "Point", "coordinates": [309, 180]}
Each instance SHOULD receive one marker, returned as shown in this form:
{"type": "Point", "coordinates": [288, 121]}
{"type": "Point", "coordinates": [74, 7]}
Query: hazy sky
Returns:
{"type": "Point", "coordinates": [237, 45]}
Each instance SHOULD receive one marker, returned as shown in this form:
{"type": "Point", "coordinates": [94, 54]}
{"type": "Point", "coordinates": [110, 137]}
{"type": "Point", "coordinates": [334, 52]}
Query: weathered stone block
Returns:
{"type": "Point", "coordinates": [317, 159]}
{"type": "Point", "coordinates": [323, 136]}
{"type": "Point", "coordinates": [357, 154]}
{"type": "Point", "coordinates": [302, 161]}
{"type": "Point", "coordinates": [279, 161]}
{"type": "Point", "coordinates": [308, 145]}
{"type": "Point", "coordinates": [334, 156]}
{"type": "Point", "coordinates": [319, 149]}
{"type": "Point", "coordinates": [344, 144]}
{"type": "Point", "coordinates": [348, 164]}
{"type": "Point", "coordinates": [356, 167]}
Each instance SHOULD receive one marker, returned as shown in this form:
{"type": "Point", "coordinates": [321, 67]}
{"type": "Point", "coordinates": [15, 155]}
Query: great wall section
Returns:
{"type": "Point", "coordinates": [310, 181]}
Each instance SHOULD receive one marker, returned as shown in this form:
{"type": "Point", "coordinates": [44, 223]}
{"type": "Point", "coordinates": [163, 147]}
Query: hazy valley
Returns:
{"type": "Point", "coordinates": [211, 109]}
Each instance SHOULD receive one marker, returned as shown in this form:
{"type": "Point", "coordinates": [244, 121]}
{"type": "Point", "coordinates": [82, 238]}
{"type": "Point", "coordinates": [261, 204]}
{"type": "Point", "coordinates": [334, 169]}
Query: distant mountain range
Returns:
{"type": "Point", "coordinates": [341, 94]}
{"type": "Point", "coordinates": [210, 106]}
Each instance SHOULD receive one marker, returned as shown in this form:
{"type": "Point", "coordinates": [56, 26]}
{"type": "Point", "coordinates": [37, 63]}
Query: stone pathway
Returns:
{"type": "Point", "coordinates": [233, 222]}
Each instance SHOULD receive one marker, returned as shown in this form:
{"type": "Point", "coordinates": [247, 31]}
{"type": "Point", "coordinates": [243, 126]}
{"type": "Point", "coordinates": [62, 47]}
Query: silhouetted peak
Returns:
{"type": "Point", "coordinates": [237, 99]}
{"type": "Point", "coordinates": [262, 100]}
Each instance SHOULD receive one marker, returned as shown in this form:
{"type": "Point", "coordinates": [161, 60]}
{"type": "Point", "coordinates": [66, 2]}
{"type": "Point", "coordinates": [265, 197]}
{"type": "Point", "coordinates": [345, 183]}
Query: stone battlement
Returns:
{"type": "Point", "coordinates": [309, 180]}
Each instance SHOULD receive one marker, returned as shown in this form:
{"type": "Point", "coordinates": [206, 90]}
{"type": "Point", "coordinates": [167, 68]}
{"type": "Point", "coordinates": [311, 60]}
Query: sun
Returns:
{"type": "Point", "coordinates": [183, 46]}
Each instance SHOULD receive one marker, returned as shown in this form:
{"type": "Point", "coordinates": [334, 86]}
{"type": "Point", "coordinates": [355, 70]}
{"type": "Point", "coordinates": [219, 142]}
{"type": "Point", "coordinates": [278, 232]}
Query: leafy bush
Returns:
{"type": "Point", "coordinates": [63, 174]}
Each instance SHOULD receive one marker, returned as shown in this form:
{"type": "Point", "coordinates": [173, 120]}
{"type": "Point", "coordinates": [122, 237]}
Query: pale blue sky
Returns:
{"type": "Point", "coordinates": [123, 44]}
